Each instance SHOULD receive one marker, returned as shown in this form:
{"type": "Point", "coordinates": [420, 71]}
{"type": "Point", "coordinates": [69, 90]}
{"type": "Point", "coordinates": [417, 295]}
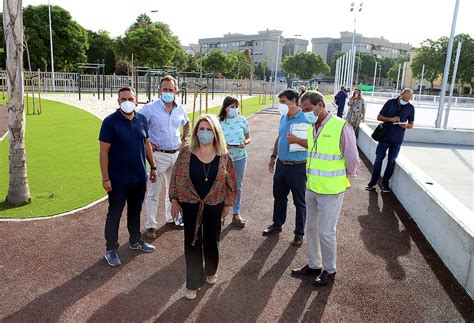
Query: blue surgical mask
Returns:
{"type": "Point", "coordinates": [205, 137]}
{"type": "Point", "coordinates": [403, 102]}
{"type": "Point", "coordinates": [167, 97]}
{"type": "Point", "coordinates": [283, 109]}
{"type": "Point", "coordinates": [311, 117]}
{"type": "Point", "coordinates": [233, 112]}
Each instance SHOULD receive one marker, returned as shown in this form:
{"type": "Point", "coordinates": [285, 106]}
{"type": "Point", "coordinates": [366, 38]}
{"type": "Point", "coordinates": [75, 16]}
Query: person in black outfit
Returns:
{"type": "Point", "coordinates": [124, 144]}
{"type": "Point", "coordinates": [340, 100]}
{"type": "Point", "coordinates": [203, 187]}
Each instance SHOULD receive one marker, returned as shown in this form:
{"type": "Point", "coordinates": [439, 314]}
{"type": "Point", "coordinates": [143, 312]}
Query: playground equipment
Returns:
{"type": "Point", "coordinates": [99, 67]}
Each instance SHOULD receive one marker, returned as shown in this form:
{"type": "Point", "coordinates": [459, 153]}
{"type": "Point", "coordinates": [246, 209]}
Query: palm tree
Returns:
{"type": "Point", "coordinates": [18, 190]}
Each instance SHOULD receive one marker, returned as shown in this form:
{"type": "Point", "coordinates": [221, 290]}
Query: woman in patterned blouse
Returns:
{"type": "Point", "coordinates": [237, 135]}
{"type": "Point", "coordinates": [356, 113]}
{"type": "Point", "coordinates": [203, 188]}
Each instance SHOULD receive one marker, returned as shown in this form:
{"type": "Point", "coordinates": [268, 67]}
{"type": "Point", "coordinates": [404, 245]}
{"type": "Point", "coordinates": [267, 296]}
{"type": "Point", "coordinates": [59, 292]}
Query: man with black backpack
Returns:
{"type": "Point", "coordinates": [397, 115]}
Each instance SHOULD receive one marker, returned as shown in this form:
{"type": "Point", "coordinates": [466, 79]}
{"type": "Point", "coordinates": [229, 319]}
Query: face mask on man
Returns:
{"type": "Point", "coordinates": [205, 137]}
{"type": "Point", "coordinates": [127, 107]}
{"type": "Point", "coordinates": [283, 109]}
{"type": "Point", "coordinates": [233, 112]}
{"type": "Point", "coordinates": [167, 97]}
{"type": "Point", "coordinates": [403, 102]}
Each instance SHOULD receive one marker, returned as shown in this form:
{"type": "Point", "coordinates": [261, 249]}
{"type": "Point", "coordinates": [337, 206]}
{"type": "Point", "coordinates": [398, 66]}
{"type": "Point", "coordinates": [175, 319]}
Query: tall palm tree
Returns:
{"type": "Point", "coordinates": [18, 190]}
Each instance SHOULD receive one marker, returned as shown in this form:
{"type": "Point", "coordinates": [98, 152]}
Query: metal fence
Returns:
{"type": "Point", "coordinates": [68, 83]}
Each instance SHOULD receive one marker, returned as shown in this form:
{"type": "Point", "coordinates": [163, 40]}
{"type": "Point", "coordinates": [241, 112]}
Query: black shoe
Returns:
{"type": "Point", "coordinates": [324, 278]}
{"type": "Point", "coordinates": [297, 241]}
{"type": "Point", "coordinates": [386, 190]}
{"type": "Point", "coordinates": [305, 271]}
{"type": "Point", "coordinates": [370, 188]}
{"type": "Point", "coordinates": [271, 230]}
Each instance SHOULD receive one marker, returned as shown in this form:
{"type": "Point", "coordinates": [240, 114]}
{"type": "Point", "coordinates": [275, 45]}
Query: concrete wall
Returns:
{"type": "Point", "coordinates": [445, 222]}
{"type": "Point", "coordinates": [437, 136]}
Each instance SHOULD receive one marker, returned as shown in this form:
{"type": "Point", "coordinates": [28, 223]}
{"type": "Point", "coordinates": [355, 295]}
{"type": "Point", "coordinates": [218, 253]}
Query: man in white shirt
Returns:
{"type": "Point", "coordinates": [165, 118]}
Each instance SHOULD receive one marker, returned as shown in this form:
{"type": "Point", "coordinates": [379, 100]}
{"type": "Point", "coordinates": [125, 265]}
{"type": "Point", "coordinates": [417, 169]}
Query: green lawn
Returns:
{"type": "Point", "coordinates": [63, 163]}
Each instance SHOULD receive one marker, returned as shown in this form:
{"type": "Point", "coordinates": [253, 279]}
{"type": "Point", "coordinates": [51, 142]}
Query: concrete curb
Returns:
{"type": "Point", "coordinates": [83, 208]}
{"type": "Point", "coordinates": [446, 223]}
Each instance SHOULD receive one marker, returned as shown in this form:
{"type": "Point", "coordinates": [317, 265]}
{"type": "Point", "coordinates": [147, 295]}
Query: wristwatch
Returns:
{"type": "Point", "coordinates": [273, 156]}
{"type": "Point", "coordinates": [153, 168]}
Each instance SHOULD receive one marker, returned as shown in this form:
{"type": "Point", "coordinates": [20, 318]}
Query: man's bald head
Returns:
{"type": "Point", "coordinates": [406, 94]}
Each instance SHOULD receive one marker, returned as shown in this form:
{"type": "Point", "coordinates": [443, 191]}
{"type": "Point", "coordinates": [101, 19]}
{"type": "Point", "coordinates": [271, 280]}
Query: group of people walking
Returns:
{"type": "Point", "coordinates": [314, 155]}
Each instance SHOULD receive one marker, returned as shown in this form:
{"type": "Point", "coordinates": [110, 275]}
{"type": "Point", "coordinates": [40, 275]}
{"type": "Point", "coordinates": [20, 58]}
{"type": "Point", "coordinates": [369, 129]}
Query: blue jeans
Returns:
{"type": "Point", "coordinates": [393, 150]}
{"type": "Point", "coordinates": [240, 166]}
{"type": "Point", "coordinates": [286, 179]}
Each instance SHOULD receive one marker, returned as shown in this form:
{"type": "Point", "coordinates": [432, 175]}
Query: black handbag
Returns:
{"type": "Point", "coordinates": [379, 132]}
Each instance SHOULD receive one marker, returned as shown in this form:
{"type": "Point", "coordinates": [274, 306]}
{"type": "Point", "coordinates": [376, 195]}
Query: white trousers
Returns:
{"type": "Point", "coordinates": [322, 213]}
{"type": "Point", "coordinates": [164, 166]}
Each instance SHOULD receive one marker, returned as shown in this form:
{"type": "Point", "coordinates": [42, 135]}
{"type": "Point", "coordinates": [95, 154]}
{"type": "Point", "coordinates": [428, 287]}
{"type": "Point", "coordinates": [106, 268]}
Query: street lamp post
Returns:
{"type": "Point", "coordinates": [355, 11]}
{"type": "Point", "coordinates": [446, 67]}
{"type": "Point", "coordinates": [276, 71]}
{"type": "Point", "coordinates": [53, 88]}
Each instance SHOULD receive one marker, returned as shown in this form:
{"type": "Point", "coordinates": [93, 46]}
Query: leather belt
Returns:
{"type": "Point", "coordinates": [173, 151]}
{"type": "Point", "coordinates": [292, 163]}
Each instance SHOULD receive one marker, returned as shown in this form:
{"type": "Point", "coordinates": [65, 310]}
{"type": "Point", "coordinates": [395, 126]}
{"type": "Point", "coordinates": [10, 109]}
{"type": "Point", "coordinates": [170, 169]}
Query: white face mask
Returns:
{"type": "Point", "coordinates": [127, 107]}
{"type": "Point", "coordinates": [283, 109]}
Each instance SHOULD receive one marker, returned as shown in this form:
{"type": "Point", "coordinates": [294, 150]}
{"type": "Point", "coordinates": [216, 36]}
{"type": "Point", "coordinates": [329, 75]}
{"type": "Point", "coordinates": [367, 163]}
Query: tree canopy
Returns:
{"type": "Point", "coordinates": [305, 65]}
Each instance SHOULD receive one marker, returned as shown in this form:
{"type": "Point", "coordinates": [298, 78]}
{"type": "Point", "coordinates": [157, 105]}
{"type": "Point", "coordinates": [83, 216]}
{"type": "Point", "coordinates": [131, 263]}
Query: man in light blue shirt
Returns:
{"type": "Point", "coordinates": [290, 172]}
{"type": "Point", "coordinates": [165, 119]}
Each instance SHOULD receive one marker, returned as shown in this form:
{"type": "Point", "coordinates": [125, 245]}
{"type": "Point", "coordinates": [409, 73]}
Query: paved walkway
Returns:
{"type": "Point", "coordinates": [54, 270]}
{"type": "Point", "coordinates": [102, 108]}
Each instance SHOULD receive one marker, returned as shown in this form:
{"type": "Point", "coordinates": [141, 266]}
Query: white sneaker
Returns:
{"type": "Point", "coordinates": [211, 279]}
{"type": "Point", "coordinates": [190, 294]}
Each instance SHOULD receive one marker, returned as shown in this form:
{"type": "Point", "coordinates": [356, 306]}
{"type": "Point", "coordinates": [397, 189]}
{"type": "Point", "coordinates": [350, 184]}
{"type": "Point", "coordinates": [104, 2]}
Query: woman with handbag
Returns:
{"type": "Point", "coordinates": [356, 113]}
{"type": "Point", "coordinates": [203, 188]}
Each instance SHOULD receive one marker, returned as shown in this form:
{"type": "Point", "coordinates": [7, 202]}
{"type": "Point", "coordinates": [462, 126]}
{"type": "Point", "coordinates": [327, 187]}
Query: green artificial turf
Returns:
{"type": "Point", "coordinates": [62, 159]}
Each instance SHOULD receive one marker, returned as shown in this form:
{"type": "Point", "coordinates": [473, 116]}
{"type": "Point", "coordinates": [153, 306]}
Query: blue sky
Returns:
{"type": "Point", "coordinates": [398, 21]}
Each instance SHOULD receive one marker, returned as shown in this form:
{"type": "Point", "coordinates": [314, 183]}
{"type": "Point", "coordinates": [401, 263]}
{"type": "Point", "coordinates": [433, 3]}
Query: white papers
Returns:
{"type": "Point", "coordinates": [300, 130]}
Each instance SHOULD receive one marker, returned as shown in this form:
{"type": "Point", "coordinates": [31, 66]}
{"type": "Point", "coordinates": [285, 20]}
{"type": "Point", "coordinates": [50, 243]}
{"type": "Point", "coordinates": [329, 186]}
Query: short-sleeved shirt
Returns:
{"type": "Point", "coordinates": [127, 147]}
{"type": "Point", "coordinates": [235, 130]}
{"type": "Point", "coordinates": [283, 145]}
{"type": "Point", "coordinates": [164, 127]}
{"type": "Point", "coordinates": [392, 108]}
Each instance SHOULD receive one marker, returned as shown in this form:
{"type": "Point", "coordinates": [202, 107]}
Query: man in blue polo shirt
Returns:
{"type": "Point", "coordinates": [124, 145]}
{"type": "Point", "coordinates": [165, 118]}
{"type": "Point", "coordinates": [397, 115]}
{"type": "Point", "coordinates": [290, 172]}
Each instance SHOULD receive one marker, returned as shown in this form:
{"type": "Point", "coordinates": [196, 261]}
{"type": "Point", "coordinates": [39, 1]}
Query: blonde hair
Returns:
{"type": "Point", "coordinates": [219, 141]}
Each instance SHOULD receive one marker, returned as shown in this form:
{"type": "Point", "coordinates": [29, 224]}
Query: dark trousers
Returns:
{"type": "Point", "coordinates": [289, 178]}
{"type": "Point", "coordinates": [393, 150]}
{"type": "Point", "coordinates": [133, 194]}
{"type": "Point", "coordinates": [340, 110]}
{"type": "Point", "coordinates": [206, 247]}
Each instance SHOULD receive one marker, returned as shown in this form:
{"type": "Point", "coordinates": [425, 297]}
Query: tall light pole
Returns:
{"type": "Point", "coordinates": [446, 67]}
{"type": "Point", "coordinates": [355, 11]}
{"type": "Point", "coordinates": [276, 71]}
{"type": "Point", "coordinates": [51, 45]}
{"type": "Point", "coordinates": [453, 83]}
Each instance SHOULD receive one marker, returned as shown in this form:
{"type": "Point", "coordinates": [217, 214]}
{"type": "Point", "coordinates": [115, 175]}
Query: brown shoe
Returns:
{"type": "Point", "coordinates": [238, 221]}
{"type": "Point", "coordinates": [150, 233]}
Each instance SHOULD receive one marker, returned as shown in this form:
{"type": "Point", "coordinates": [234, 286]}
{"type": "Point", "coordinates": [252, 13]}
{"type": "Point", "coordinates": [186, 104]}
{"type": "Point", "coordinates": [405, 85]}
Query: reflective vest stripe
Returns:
{"type": "Point", "coordinates": [325, 156]}
{"type": "Point", "coordinates": [323, 173]}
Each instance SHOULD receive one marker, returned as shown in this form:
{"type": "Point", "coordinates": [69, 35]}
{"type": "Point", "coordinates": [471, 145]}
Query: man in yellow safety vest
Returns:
{"type": "Point", "coordinates": [332, 158]}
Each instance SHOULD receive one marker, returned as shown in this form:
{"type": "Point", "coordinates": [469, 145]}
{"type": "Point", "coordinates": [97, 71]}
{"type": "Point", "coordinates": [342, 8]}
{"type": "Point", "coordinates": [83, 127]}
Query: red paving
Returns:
{"type": "Point", "coordinates": [53, 270]}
